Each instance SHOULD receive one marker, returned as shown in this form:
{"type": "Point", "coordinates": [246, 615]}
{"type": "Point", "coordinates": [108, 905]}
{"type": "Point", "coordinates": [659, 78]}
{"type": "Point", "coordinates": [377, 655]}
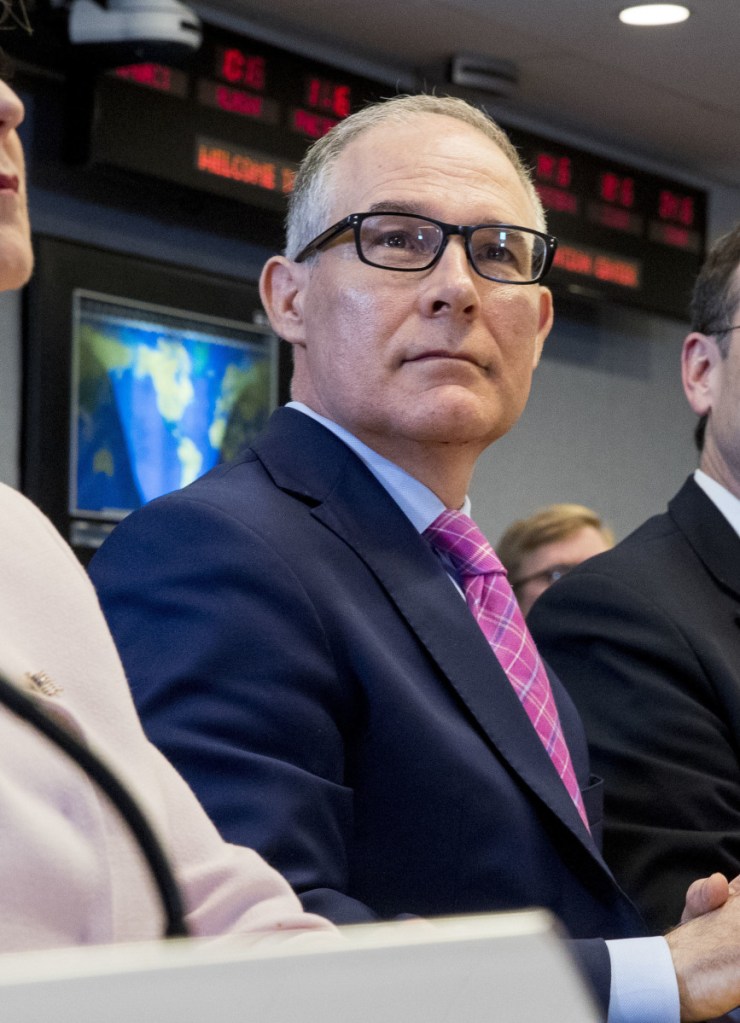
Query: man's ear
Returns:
{"type": "Point", "coordinates": [545, 324]}
{"type": "Point", "coordinates": [282, 284]}
{"type": "Point", "coordinates": [700, 363]}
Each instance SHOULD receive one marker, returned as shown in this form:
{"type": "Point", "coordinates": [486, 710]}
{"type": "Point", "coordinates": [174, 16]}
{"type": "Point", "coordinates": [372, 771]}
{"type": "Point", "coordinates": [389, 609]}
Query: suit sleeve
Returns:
{"type": "Point", "coordinates": [234, 679]}
{"type": "Point", "coordinates": [657, 736]}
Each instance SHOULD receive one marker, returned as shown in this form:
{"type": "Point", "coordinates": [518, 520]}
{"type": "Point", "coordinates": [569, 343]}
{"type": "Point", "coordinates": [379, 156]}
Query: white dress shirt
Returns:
{"type": "Point", "coordinates": [723, 500]}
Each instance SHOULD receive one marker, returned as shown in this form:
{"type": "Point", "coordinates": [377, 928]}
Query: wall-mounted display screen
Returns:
{"type": "Point", "coordinates": [139, 376]}
{"type": "Point", "coordinates": [159, 396]}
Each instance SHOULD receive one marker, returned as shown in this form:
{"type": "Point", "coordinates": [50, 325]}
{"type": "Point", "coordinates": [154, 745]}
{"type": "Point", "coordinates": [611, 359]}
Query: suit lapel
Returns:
{"type": "Point", "coordinates": [306, 459]}
{"type": "Point", "coordinates": [709, 533]}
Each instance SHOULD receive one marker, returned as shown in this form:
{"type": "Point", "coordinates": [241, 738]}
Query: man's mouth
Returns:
{"type": "Point", "coordinates": [443, 353]}
{"type": "Point", "coordinates": [8, 182]}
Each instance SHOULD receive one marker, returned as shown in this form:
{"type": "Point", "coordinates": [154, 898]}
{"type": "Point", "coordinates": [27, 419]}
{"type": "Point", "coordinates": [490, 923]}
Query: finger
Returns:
{"type": "Point", "coordinates": [706, 894]}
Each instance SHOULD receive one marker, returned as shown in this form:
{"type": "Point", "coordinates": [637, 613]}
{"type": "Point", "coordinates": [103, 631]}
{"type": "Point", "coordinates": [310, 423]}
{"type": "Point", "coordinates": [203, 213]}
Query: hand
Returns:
{"type": "Point", "coordinates": [708, 893]}
{"type": "Point", "coordinates": [706, 949]}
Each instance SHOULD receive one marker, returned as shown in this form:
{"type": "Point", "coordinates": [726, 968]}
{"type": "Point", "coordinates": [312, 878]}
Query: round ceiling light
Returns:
{"type": "Point", "coordinates": [654, 14]}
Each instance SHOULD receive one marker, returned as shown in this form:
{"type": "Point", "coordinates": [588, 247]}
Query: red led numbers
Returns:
{"type": "Point", "coordinates": [555, 170]}
{"type": "Point", "coordinates": [239, 68]}
{"type": "Point", "coordinates": [675, 207]}
{"type": "Point", "coordinates": [614, 188]}
{"type": "Point", "coordinates": [329, 97]}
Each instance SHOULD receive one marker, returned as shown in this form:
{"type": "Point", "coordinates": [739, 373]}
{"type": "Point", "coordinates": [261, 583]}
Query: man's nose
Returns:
{"type": "Point", "coordinates": [452, 282]}
{"type": "Point", "coordinates": [11, 109]}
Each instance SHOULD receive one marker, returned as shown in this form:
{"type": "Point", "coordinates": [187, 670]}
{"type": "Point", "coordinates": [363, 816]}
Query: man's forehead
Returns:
{"type": "Point", "coordinates": [437, 128]}
{"type": "Point", "coordinates": [406, 160]}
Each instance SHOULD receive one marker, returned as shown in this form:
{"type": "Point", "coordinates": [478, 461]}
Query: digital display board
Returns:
{"type": "Point", "coordinates": [623, 234]}
{"type": "Point", "coordinates": [237, 119]}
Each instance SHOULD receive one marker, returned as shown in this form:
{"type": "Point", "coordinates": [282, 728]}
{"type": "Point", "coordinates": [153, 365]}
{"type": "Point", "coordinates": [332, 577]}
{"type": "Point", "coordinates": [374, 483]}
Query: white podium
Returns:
{"type": "Point", "coordinates": [509, 967]}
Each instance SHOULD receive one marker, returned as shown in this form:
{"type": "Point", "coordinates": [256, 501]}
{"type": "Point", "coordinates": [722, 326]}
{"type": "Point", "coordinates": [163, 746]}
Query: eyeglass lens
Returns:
{"type": "Point", "coordinates": [548, 575]}
{"type": "Point", "coordinates": [407, 242]}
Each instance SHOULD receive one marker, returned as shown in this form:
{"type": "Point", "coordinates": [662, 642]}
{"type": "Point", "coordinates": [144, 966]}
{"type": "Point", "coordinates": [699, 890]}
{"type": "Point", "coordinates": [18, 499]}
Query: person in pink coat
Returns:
{"type": "Point", "coordinates": [72, 871]}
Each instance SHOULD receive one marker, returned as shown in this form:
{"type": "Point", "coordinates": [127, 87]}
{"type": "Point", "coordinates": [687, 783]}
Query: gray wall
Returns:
{"type": "Point", "coordinates": [606, 425]}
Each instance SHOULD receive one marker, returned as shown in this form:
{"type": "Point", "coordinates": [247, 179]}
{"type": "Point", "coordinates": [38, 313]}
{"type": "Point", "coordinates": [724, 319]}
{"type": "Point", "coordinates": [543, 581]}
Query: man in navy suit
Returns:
{"type": "Point", "coordinates": [295, 645]}
{"type": "Point", "coordinates": [647, 639]}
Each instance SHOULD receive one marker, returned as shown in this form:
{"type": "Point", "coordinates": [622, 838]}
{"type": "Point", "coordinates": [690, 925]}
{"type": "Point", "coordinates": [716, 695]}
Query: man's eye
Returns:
{"type": "Point", "coordinates": [397, 240]}
{"type": "Point", "coordinates": [496, 254]}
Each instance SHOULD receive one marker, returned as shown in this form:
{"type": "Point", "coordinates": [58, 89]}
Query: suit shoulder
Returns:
{"type": "Point", "coordinates": [238, 485]}
{"type": "Point", "coordinates": [654, 542]}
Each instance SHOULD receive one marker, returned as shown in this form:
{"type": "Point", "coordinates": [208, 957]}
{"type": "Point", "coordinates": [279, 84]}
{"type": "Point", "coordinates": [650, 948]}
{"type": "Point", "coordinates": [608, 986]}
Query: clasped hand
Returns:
{"type": "Point", "coordinates": [706, 949]}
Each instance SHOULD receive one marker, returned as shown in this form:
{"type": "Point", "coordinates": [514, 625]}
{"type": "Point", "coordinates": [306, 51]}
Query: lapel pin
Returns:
{"type": "Point", "coordinates": [43, 683]}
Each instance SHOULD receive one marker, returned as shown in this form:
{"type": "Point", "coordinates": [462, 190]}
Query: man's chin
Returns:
{"type": "Point", "coordinates": [459, 419]}
{"type": "Point", "coordinates": [16, 263]}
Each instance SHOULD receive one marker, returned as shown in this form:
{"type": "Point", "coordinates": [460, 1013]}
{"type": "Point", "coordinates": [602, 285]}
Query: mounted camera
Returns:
{"type": "Point", "coordinates": [127, 31]}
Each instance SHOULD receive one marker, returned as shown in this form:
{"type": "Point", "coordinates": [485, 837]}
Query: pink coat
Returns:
{"type": "Point", "coordinates": [71, 873]}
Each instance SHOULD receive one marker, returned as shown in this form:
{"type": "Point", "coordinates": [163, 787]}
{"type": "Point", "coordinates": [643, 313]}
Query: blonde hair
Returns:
{"type": "Point", "coordinates": [555, 522]}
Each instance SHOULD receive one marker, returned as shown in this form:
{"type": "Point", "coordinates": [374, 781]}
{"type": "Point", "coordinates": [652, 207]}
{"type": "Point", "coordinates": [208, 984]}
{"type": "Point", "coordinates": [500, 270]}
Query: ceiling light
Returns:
{"type": "Point", "coordinates": [654, 14]}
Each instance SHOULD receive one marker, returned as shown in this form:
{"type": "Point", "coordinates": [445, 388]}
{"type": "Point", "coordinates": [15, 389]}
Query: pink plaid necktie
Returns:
{"type": "Point", "coordinates": [494, 606]}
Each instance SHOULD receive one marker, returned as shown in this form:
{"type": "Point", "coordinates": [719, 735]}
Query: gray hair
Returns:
{"type": "Point", "coordinates": [309, 202]}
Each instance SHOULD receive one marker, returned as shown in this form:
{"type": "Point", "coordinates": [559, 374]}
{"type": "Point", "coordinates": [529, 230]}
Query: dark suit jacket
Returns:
{"type": "Point", "coordinates": [646, 639]}
{"type": "Point", "coordinates": [297, 650]}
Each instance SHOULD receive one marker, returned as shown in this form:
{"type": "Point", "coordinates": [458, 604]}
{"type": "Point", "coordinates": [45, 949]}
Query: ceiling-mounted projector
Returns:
{"type": "Point", "coordinates": [119, 31]}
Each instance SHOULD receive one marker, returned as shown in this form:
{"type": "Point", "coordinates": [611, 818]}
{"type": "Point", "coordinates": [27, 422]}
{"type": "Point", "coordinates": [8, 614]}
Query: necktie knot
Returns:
{"type": "Point", "coordinates": [455, 534]}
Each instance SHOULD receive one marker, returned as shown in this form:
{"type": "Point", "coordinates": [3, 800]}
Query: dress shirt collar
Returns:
{"type": "Point", "coordinates": [725, 502]}
{"type": "Point", "coordinates": [415, 500]}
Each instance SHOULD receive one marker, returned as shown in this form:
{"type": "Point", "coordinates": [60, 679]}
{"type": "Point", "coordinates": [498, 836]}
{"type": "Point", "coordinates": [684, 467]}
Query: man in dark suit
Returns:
{"type": "Point", "coordinates": [647, 639]}
{"type": "Point", "coordinates": [294, 642]}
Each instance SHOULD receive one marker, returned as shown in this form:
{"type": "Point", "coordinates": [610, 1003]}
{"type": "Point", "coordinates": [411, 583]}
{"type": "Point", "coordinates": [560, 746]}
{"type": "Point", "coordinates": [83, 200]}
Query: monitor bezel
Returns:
{"type": "Point", "coordinates": [62, 266]}
{"type": "Point", "coordinates": [246, 335]}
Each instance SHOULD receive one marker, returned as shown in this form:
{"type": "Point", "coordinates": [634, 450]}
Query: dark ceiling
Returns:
{"type": "Point", "coordinates": [670, 95]}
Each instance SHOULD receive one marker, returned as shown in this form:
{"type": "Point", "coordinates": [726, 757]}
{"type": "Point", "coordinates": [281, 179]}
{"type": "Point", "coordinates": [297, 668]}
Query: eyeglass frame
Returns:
{"type": "Point", "coordinates": [354, 221]}
{"type": "Point", "coordinates": [720, 330]}
{"type": "Point", "coordinates": [551, 574]}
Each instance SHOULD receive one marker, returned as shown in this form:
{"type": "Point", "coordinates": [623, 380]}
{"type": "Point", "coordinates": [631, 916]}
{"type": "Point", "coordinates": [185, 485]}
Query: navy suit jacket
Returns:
{"type": "Point", "coordinates": [647, 639]}
{"type": "Point", "coordinates": [298, 651]}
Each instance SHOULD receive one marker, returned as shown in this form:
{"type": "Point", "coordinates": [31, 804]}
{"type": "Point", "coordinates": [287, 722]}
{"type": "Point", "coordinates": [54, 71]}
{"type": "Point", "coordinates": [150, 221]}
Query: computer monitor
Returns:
{"type": "Point", "coordinates": [138, 376]}
{"type": "Point", "coordinates": [158, 397]}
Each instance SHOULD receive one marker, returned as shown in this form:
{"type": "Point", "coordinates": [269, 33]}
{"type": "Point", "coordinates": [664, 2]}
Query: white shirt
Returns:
{"type": "Point", "coordinates": [723, 500]}
{"type": "Point", "coordinates": [644, 988]}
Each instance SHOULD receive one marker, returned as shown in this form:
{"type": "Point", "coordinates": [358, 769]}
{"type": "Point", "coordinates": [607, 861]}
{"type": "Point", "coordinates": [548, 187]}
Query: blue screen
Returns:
{"type": "Point", "coordinates": [160, 396]}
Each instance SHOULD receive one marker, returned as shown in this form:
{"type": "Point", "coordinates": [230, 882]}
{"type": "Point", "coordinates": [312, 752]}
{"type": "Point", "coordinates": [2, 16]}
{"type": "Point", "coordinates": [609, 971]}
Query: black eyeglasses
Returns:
{"type": "Point", "coordinates": [721, 330]}
{"type": "Point", "coordinates": [407, 242]}
{"type": "Point", "coordinates": [547, 575]}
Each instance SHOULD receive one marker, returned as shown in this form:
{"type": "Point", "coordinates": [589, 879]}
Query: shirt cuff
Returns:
{"type": "Point", "coordinates": [644, 988]}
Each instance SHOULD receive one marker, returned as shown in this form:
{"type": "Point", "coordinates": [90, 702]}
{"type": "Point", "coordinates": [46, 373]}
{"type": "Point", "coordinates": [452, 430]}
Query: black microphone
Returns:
{"type": "Point", "coordinates": [117, 794]}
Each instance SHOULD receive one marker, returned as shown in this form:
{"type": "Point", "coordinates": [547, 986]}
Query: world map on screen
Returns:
{"type": "Point", "coordinates": [159, 402]}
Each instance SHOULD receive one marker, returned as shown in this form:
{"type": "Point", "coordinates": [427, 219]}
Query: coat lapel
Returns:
{"type": "Point", "coordinates": [309, 461]}
{"type": "Point", "coordinates": [709, 533]}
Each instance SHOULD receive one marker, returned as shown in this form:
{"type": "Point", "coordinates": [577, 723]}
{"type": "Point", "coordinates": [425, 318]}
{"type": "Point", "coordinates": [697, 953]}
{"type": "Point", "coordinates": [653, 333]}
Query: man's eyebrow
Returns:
{"type": "Point", "coordinates": [402, 206]}
{"type": "Point", "coordinates": [394, 206]}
